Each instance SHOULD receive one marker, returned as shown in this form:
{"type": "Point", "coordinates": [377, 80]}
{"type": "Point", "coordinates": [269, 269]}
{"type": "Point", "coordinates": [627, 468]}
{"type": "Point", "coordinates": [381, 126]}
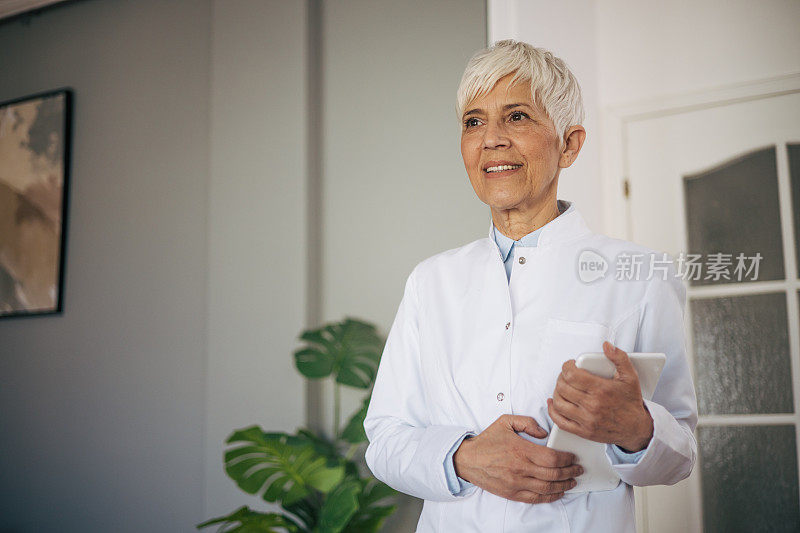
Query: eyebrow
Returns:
{"type": "Point", "coordinates": [506, 107]}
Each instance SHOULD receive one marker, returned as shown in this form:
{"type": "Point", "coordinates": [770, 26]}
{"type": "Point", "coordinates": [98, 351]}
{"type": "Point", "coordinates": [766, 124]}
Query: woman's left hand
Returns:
{"type": "Point", "coordinates": [600, 409]}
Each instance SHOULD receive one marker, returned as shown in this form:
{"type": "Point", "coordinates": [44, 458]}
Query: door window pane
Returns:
{"type": "Point", "coordinates": [749, 479]}
{"type": "Point", "coordinates": [741, 347]}
{"type": "Point", "coordinates": [734, 209]}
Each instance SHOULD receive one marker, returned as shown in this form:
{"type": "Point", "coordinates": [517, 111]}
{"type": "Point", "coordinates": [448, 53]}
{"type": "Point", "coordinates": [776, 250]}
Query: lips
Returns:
{"type": "Point", "coordinates": [500, 168]}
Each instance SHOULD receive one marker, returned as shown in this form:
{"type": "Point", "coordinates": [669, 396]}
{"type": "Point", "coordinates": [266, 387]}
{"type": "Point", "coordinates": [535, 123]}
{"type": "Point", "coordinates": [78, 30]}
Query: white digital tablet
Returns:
{"type": "Point", "coordinates": [598, 473]}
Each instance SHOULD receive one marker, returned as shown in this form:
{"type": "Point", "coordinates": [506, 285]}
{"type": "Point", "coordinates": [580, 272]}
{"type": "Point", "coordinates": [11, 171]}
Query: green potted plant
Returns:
{"type": "Point", "coordinates": [317, 481]}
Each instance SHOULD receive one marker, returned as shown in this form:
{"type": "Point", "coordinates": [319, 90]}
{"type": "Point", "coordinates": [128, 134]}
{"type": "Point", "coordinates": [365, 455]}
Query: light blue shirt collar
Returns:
{"type": "Point", "coordinates": [506, 244]}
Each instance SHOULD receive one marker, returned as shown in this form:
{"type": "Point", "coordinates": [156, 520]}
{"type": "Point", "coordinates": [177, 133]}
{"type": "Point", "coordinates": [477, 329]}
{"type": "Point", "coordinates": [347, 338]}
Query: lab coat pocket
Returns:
{"type": "Point", "coordinates": [565, 340]}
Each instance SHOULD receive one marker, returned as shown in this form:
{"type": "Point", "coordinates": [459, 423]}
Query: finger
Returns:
{"type": "Point", "coordinates": [565, 423]}
{"type": "Point", "coordinates": [550, 487]}
{"type": "Point", "coordinates": [549, 458]}
{"type": "Point", "coordinates": [555, 474]}
{"type": "Point", "coordinates": [545, 473]}
{"type": "Point", "coordinates": [620, 359]}
{"type": "Point", "coordinates": [570, 393]}
{"type": "Point", "coordinates": [527, 496]}
{"type": "Point", "coordinates": [568, 409]}
{"type": "Point", "coordinates": [526, 424]}
{"type": "Point", "coordinates": [579, 378]}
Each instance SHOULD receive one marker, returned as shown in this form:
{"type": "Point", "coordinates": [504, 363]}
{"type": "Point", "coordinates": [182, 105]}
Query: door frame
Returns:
{"type": "Point", "coordinates": [615, 121]}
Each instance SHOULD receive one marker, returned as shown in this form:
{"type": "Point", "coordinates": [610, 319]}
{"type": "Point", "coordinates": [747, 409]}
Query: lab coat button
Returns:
{"type": "Point", "coordinates": [521, 260]}
{"type": "Point", "coordinates": [508, 325]}
{"type": "Point", "coordinates": [500, 396]}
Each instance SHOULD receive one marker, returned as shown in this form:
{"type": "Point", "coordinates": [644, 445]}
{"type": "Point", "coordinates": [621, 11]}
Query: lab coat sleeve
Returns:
{"type": "Point", "coordinates": [671, 453]}
{"type": "Point", "coordinates": [405, 451]}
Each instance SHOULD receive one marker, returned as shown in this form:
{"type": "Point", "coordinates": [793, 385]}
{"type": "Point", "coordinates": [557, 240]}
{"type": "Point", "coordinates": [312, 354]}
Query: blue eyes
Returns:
{"type": "Point", "coordinates": [515, 116]}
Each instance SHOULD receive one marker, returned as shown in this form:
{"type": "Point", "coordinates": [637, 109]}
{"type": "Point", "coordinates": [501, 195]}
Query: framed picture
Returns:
{"type": "Point", "coordinates": [34, 179]}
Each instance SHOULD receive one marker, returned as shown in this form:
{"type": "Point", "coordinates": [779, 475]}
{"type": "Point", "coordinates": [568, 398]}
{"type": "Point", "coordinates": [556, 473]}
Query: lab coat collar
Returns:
{"type": "Point", "coordinates": [564, 228]}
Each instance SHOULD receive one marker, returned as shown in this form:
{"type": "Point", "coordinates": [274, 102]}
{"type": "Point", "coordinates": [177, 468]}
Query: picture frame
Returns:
{"type": "Point", "coordinates": [35, 150]}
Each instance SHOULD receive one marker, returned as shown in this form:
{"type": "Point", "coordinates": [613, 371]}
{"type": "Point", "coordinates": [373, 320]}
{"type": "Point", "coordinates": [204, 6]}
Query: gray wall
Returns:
{"type": "Point", "coordinates": [102, 408]}
{"type": "Point", "coordinates": [189, 261]}
{"type": "Point", "coordinates": [257, 229]}
{"type": "Point", "coordinates": [395, 184]}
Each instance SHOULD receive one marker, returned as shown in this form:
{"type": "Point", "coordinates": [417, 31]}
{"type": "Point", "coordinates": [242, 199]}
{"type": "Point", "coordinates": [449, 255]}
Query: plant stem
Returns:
{"type": "Point", "coordinates": [336, 410]}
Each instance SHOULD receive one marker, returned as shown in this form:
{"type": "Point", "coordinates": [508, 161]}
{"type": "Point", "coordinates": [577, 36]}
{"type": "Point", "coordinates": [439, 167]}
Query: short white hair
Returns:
{"type": "Point", "coordinates": [553, 86]}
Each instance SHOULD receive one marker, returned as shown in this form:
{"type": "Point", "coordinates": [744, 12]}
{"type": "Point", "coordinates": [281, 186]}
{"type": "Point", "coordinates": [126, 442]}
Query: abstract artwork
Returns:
{"type": "Point", "coordinates": [34, 165]}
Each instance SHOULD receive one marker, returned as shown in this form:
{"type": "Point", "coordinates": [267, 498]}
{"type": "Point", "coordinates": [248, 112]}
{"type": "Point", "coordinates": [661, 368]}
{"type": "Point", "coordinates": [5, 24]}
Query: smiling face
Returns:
{"type": "Point", "coordinates": [511, 151]}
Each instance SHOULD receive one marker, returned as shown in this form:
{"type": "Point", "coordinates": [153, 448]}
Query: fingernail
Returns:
{"type": "Point", "coordinates": [580, 470]}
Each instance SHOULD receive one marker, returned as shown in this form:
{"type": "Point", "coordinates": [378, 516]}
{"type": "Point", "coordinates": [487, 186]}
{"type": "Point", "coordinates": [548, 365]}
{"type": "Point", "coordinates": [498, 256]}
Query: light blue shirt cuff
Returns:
{"type": "Point", "coordinates": [624, 457]}
{"type": "Point", "coordinates": [455, 483]}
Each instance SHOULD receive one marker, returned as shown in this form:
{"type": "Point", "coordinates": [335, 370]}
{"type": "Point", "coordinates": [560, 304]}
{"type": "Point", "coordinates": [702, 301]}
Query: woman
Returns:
{"type": "Point", "coordinates": [479, 362]}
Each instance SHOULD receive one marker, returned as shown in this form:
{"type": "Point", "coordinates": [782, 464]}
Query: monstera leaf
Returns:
{"type": "Point", "coordinates": [353, 432]}
{"type": "Point", "coordinates": [245, 520]}
{"type": "Point", "coordinates": [340, 505]}
{"type": "Point", "coordinates": [309, 474]}
{"type": "Point", "coordinates": [371, 514]}
{"type": "Point", "coordinates": [287, 467]}
{"type": "Point", "coordinates": [322, 445]}
{"type": "Point", "coordinates": [306, 511]}
{"type": "Point", "coordinates": [349, 350]}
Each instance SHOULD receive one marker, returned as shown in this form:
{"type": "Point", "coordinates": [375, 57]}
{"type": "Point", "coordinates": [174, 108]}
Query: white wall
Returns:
{"type": "Point", "coordinates": [102, 408]}
{"type": "Point", "coordinates": [648, 50]}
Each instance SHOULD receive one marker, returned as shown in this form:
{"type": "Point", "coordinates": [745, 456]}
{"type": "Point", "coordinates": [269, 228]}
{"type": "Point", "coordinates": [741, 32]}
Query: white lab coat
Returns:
{"type": "Point", "coordinates": [449, 354]}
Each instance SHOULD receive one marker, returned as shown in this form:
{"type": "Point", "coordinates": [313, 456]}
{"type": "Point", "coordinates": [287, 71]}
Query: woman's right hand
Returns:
{"type": "Point", "coordinates": [503, 463]}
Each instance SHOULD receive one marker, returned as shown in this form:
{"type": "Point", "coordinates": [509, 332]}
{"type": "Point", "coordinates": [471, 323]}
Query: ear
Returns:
{"type": "Point", "coordinates": [573, 141]}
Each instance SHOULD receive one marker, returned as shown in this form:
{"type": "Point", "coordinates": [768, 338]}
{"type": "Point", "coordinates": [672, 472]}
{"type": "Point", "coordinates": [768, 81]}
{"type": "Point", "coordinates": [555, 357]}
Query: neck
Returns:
{"type": "Point", "coordinates": [515, 224]}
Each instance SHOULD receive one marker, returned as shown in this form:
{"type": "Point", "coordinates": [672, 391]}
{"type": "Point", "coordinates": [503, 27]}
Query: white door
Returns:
{"type": "Point", "coordinates": [717, 178]}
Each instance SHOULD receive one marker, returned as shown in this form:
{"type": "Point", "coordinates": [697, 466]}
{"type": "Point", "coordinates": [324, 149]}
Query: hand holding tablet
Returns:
{"type": "Point", "coordinates": [598, 472]}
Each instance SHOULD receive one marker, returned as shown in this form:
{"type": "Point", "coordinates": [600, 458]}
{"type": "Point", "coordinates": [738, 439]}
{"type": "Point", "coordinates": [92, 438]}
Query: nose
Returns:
{"type": "Point", "coordinates": [494, 135]}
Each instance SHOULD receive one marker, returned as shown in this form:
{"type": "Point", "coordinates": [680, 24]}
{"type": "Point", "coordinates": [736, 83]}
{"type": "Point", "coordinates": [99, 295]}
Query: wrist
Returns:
{"type": "Point", "coordinates": [461, 458]}
{"type": "Point", "coordinates": [642, 437]}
